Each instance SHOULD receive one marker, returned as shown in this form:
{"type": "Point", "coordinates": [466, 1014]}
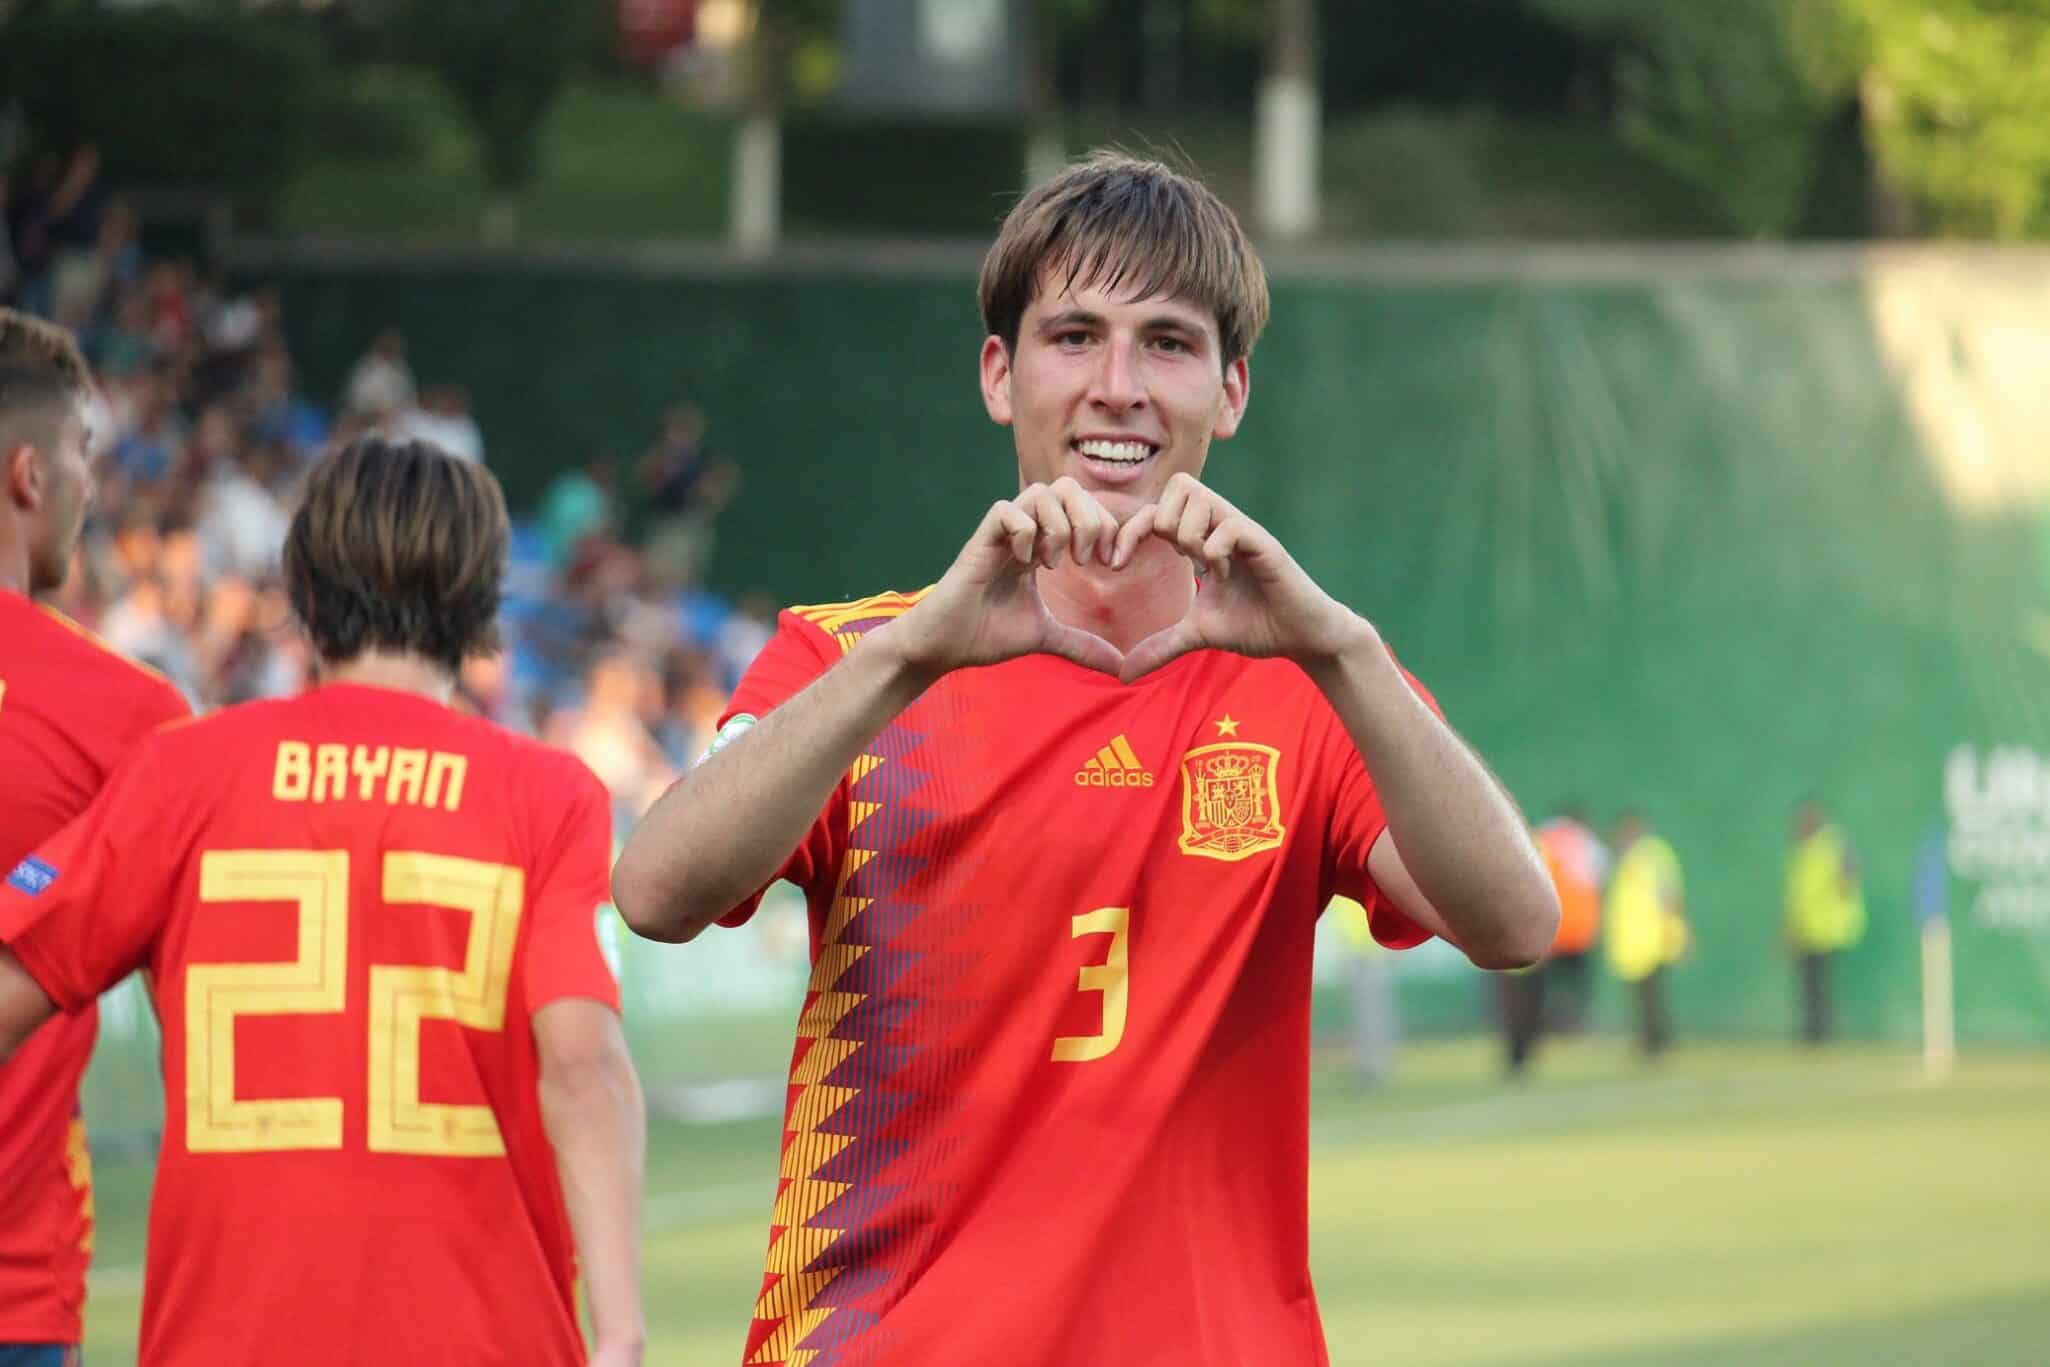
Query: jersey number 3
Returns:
{"type": "Point", "coordinates": [1112, 977]}
{"type": "Point", "coordinates": [315, 982]}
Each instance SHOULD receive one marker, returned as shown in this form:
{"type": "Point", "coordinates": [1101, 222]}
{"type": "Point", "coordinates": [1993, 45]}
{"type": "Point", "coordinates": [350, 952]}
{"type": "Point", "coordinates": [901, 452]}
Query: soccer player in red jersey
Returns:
{"type": "Point", "coordinates": [1066, 820]}
{"type": "Point", "coordinates": [402, 1119]}
{"type": "Point", "coordinates": [69, 709]}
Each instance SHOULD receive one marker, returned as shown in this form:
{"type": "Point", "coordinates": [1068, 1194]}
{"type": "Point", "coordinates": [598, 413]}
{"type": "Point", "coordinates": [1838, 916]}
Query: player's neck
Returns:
{"type": "Point", "coordinates": [1123, 606]}
{"type": "Point", "coordinates": [396, 670]}
{"type": "Point", "coordinates": [13, 559]}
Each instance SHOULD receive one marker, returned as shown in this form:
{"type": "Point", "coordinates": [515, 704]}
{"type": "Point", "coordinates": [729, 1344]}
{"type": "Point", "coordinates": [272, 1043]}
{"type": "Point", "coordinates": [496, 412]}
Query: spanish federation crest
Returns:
{"type": "Point", "coordinates": [1231, 800]}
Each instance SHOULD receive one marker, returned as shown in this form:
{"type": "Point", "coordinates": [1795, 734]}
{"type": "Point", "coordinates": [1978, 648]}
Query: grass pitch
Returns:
{"type": "Point", "coordinates": [1737, 1203]}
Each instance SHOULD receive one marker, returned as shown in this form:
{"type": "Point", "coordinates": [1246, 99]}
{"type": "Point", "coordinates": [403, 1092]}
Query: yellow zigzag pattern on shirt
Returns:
{"type": "Point", "coordinates": [835, 618]}
{"type": "Point", "coordinates": [799, 1246]}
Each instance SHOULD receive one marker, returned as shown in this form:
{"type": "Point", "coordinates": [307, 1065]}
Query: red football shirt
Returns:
{"type": "Point", "coordinates": [351, 903]}
{"type": "Point", "coordinates": [1049, 1102]}
{"type": "Point", "coordinates": [69, 709]}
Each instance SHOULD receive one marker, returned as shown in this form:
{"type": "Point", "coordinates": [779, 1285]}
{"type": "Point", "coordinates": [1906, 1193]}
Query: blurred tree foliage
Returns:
{"type": "Point", "coordinates": [504, 62]}
{"type": "Point", "coordinates": [1957, 107]}
{"type": "Point", "coordinates": [1734, 97]}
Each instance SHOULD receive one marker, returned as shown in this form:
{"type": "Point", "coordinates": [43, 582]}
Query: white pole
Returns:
{"type": "Point", "coordinates": [757, 210]}
{"type": "Point", "coordinates": [1287, 125]}
{"type": "Point", "coordinates": [1939, 1007]}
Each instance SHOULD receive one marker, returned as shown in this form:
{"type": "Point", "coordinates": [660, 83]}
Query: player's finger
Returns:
{"type": "Point", "coordinates": [1084, 648]}
{"type": "Point", "coordinates": [1222, 544]}
{"type": "Point", "coordinates": [1054, 529]}
{"type": "Point", "coordinates": [1193, 527]}
{"type": "Point", "coordinates": [1008, 522]}
{"type": "Point", "coordinates": [1136, 528]}
{"type": "Point", "coordinates": [1167, 514]}
{"type": "Point", "coordinates": [1092, 523]}
{"type": "Point", "coordinates": [1160, 648]}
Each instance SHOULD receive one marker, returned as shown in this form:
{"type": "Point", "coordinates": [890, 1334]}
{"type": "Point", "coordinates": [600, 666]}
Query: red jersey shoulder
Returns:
{"type": "Point", "coordinates": [100, 683]}
{"type": "Point", "coordinates": [843, 624]}
{"type": "Point", "coordinates": [809, 640]}
{"type": "Point", "coordinates": [553, 778]}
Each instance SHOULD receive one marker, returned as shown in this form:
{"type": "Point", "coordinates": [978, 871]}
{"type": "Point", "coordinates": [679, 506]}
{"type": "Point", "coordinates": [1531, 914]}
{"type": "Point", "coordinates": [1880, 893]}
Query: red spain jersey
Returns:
{"type": "Point", "coordinates": [1049, 1101]}
{"type": "Point", "coordinates": [351, 904]}
{"type": "Point", "coordinates": [69, 710]}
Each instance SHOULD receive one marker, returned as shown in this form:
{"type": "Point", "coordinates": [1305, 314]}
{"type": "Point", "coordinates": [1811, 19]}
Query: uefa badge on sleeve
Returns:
{"type": "Point", "coordinates": [32, 876]}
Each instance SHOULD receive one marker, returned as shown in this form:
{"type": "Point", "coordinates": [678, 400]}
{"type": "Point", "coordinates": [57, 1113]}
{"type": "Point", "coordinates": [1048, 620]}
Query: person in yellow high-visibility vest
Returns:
{"type": "Point", "coordinates": [1825, 910]}
{"type": "Point", "coordinates": [1376, 1028]}
{"type": "Point", "coordinates": [1644, 924]}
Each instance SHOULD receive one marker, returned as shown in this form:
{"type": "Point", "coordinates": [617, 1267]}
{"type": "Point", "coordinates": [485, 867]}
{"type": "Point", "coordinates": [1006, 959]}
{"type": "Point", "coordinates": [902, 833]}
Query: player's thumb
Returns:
{"type": "Point", "coordinates": [1084, 648]}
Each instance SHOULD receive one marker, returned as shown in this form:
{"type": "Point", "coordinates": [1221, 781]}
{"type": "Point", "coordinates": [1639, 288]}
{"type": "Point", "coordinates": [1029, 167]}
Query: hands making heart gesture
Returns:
{"type": "Point", "coordinates": [1253, 599]}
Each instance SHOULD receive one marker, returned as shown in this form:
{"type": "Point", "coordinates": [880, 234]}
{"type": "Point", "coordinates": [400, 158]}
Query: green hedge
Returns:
{"type": "Point", "coordinates": [899, 176]}
{"type": "Point", "coordinates": [172, 99]}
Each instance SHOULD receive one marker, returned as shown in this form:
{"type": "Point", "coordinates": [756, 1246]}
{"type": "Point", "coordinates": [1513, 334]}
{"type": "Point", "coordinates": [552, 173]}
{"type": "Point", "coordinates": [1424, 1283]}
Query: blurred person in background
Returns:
{"type": "Point", "coordinates": [1520, 1011]}
{"type": "Point", "coordinates": [274, 412]}
{"type": "Point", "coordinates": [87, 278]}
{"type": "Point", "coordinates": [123, 345]}
{"type": "Point", "coordinates": [69, 711]}
{"type": "Point", "coordinates": [442, 417]}
{"type": "Point", "coordinates": [1824, 910]}
{"type": "Point", "coordinates": [608, 733]}
{"type": "Point", "coordinates": [693, 698]}
{"type": "Point", "coordinates": [151, 442]}
{"type": "Point", "coordinates": [1646, 924]}
{"type": "Point", "coordinates": [403, 839]}
{"type": "Point", "coordinates": [743, 634]}
{"type": "Point", "coordinates": [1073, 988]}
{"type": "Point", "coordinates": [1376, 1025]}
{"type": "Point", "coordinates": [687, 486]}
{"type": "Point", "coordinates": [577, 504]}
{"type": "Point", "coordinates": [1579, 865]}
{"type": "Point", "coordinates": [140, 625]}
{"type": "Point", "coordinates": [381, 383]}
{"type": "Point", "coordinates": [240, 520]}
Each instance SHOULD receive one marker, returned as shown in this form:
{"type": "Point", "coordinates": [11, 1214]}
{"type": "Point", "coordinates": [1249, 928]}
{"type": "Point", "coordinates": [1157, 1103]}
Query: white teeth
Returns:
{"type": "Point", "coordinates": [1117, 452]}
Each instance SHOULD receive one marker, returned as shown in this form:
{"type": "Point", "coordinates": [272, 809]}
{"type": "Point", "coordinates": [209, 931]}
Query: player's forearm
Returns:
{"type": "Point", "coordinates": [597, 1123]}
{"type": "Point", "coordinates": [1459, 832]}
{"type": "Point", "coordinates": [725, 830]}
{"type": "Point", "coordinates": [23, 1004]}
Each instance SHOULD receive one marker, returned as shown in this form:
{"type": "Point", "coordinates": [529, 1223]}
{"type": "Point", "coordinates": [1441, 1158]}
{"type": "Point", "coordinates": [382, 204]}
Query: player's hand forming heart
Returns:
{"type": "Point", "coordinates": [1254, 598]}
{"type": "Point", "coordinates": [987, 608]}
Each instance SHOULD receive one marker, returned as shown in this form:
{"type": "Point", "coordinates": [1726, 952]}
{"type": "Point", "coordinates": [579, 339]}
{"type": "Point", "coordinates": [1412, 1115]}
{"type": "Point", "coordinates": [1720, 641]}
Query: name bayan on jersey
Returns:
{"type": "Point", "coordinates": [396, 775]}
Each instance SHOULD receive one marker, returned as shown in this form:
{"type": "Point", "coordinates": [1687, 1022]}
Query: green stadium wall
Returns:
{"type": "Point", "coordinates": [1697, 540]}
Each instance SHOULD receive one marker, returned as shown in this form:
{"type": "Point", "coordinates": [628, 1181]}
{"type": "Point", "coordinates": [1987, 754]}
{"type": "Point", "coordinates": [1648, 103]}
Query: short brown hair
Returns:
{"type": "Point", "coordinates": [397, 545]}
{"type": "Point", "coordinates": [1114, 220]}
{"type": "Point", "coordinates": [41, 371]}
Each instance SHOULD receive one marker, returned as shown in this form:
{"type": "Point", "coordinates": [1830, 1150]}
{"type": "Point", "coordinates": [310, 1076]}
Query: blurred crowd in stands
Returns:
{"type": "Point", "coordinates": [613, 648]}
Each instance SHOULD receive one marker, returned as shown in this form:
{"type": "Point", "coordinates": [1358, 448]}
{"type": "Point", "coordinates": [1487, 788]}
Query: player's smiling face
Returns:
{"type": "Point", "coordinates": [1119, 392]}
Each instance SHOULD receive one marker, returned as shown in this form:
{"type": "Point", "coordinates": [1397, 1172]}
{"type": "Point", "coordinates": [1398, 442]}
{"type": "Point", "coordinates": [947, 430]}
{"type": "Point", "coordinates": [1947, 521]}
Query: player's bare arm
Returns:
{"type": "Point", "coordinates": [1456, 856]}
{"type": "Point", "coordinates": [596, 1120]}
{"type": "Point", "coordinates": [725, 830]}
{"type": "Point", "coordinates": [23, 1004]}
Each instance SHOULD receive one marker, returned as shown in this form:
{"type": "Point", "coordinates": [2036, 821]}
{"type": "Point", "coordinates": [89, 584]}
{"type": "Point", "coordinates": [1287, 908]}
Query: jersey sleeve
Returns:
{"type": "Point", "coordinates": [160, 704]}
{"type": "Point", "coordinates": [1357, 822]}
{"type": "Point", "coordinates": [82, 912]}
{"type": "Point", "coordinates": [795, 656]}
{"type": "Point", "coordinates": [571, 888]}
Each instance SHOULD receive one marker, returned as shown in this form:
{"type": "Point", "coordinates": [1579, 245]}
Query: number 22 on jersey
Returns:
{"type": "Point", "coordinates": [315, 982]}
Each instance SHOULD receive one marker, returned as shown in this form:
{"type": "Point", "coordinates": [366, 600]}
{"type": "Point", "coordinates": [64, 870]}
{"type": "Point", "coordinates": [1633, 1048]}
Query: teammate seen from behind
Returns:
{"type": "Point", "coordinates": [69, 710]}
{"type": "Point", "coordinates": [1049, 1099]}
{"type": "Point", "coordinates": [401, 1118]}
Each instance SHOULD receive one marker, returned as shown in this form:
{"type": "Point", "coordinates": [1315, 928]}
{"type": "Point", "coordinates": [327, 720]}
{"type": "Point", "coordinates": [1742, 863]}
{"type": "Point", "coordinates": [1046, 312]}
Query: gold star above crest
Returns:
{"type": "Point", "coordinates": [1226, 726]}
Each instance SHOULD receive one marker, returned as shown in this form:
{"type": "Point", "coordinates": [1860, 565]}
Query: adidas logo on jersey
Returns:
{"type": "Point", "coordinates": [1114, 766]}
